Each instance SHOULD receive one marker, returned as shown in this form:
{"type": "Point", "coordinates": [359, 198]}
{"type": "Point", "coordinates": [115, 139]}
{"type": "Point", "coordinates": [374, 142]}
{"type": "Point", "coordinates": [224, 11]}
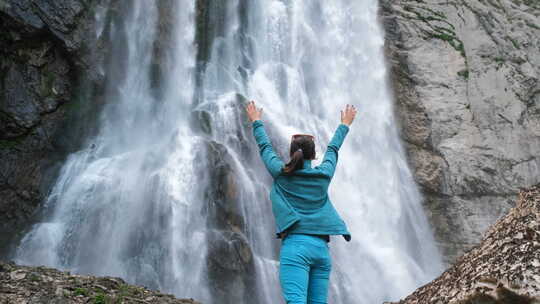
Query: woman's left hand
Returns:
{"type": "Point", "coordinates": [252, 112]}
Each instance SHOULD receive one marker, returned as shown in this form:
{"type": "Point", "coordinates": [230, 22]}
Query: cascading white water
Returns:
{"type": "Point", "coordinates": [134, 203]}
{"type": "Point", "coordinates": [124, 205]}
{"type": "Point", "coordinates": [303, 61]}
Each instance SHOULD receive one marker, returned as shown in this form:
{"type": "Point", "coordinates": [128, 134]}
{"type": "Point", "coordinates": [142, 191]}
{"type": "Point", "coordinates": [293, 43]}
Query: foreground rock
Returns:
{"type": "Point", "coordinates": [466, 76]}
{"type": "Point", "coordinates": [504, 268]}
{"type": "Point", "coordinates": [22, 284]}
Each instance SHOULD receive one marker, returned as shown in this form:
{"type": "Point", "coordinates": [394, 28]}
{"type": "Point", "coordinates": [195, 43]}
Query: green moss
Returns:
{"type": "Point", "coordinates": [428, 18]}
{"type": "Point", "coordinates": [445, 33]}
{"type": "Point", "coordinates": [443, 36]}
{"type": "Point", "coordinates": [34, 277]}
{"type": "Point", "coordinates": [452, 40]}
{"type": "Point", "coordinates": [428, 15]}
{"type": "Point", "coordinates": [128, 291]}
{"type": "Point", "coordinates": [102, 298]}
{"type": "Point", "coordinates": [464, 73]}
{"type": "Point", "coordinates": [434, 12]}
{"type": "Point", "coordinates": [499, 61]}
{"type": "Point", "coordinates": [534, 26]}
{"type": "Point", "coordinates": [444, 29]}
{"type": "Point", "coordinates": [80, 291]}
{"type": "Point", "coordinates": [460, 48]}
{"type": "Point", "coordinates": [514, 42]}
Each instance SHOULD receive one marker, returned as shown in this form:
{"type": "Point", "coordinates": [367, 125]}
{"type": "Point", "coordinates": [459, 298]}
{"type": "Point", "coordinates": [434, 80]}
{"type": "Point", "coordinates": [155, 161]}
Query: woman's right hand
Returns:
{"type": "Point", "coordinates": [348, 115]}
{"type": "Point", "coordinates": [252, 112]}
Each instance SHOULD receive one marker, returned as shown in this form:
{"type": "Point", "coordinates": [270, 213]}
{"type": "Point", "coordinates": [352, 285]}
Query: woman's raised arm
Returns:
{"type": "Point", "coordinates": [329, 163]}
{"type": "Point", "coordinates": [271, 160]}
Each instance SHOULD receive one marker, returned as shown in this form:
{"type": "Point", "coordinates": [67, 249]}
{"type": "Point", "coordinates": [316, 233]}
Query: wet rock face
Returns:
{"type": "Point", "coordinates": [230, 260]}
{"type": "Point", "coordinates": [42, 54]}
{"type": "Point", "coordinates": [503, 269]}
{"type": "Point", "coordinates": [466, 80]}
{"type": "Point", "coordinates": [22, 284]}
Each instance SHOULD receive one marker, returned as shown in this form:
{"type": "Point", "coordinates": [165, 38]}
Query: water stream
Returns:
{"type": "Point", "coordinates": [171, 193]}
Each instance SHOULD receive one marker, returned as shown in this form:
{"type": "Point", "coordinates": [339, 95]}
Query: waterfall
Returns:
{"type": "Point", "coordinates": [171, 192]}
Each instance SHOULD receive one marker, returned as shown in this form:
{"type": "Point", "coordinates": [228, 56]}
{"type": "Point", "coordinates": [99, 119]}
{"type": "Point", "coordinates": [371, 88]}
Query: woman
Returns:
{"type": "Point", "coordinates": [303, 212]}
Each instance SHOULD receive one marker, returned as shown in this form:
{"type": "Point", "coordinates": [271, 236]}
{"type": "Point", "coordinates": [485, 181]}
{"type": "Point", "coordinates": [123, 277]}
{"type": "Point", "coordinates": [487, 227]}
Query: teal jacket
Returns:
{"type": "Point", "coordinates": [300, 202]}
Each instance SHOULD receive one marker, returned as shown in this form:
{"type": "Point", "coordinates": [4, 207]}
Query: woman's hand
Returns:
{"type": "Point", "coordinates": [252, 112]}
{"type": "Point", "coordinates": [347, 117]}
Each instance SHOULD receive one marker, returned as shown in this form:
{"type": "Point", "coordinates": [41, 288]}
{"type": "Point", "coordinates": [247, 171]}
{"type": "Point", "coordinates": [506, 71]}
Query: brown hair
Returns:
{"type": "Point", "coordinates": [302, 147]}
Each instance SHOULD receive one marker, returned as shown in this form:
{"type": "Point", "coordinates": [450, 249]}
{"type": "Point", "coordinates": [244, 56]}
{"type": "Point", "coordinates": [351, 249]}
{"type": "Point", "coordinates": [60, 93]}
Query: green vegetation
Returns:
{"type": "Point", "coordinates": [431, 16]}
{"type": "Point", "coordinates": [434, 19]}
{"type": "Point", "coordinates": [434, 12]}
{"type": "Point", "coordinates": [460, 48]}
{"type": "Point", "coordinates": [452, 40]}
{"type": "Point", "coordinates": [500, 61]}
{"type": "Point", "coordinates": [34, 277]}
{"type": "Point", "coordinates": [534, 26]}
{"type": "Point", "coordinates": [464, 73]}
{"type": "Point", "coordinates": [102, 298]}
{"type": "Point", "coordinates": [127, 291]}
{"type": "Point", "coordinates": [81, 292]}
{"type": "Point", "coordinates": [514, 42]}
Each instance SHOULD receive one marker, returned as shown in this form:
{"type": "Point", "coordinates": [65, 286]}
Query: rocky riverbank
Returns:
{"type": "Point", "coordinates": [23, 284]}
{"type": "Point", "coordinates": [503, 269]}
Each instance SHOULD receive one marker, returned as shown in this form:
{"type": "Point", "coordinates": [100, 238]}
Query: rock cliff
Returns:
{"type": "Point", "coordinates": [48, 71]}
{"type": "Point", "coordinates": [503, 269]}
{"type": "Point", "coordinates": [465, 79]}
{"type": "Point", "coordinates": [464, 74]}
{"type": "Point", "coordinates": [22, 284]}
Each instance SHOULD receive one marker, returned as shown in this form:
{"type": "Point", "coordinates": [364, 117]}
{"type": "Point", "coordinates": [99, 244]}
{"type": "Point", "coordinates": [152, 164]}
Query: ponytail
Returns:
{"type": "Point", "coordinates": [296, 162]}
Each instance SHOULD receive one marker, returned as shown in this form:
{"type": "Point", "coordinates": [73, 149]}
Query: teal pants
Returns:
{"type": "Point", "coordinates": [304, 269]}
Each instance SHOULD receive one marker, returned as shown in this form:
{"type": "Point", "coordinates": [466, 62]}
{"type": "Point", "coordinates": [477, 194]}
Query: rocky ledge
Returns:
{"type": "Point", "coordinates": [24, 284]}
{"type": "Point", "coordinates": [503, 268]}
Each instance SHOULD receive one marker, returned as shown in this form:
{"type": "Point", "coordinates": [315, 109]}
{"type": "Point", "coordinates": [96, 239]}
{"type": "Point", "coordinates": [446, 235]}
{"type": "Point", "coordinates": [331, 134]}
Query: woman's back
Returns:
{"type": "Point", "coordinates": [305, 189]}
{"type": "Point", "coordinates": [300, 201]}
